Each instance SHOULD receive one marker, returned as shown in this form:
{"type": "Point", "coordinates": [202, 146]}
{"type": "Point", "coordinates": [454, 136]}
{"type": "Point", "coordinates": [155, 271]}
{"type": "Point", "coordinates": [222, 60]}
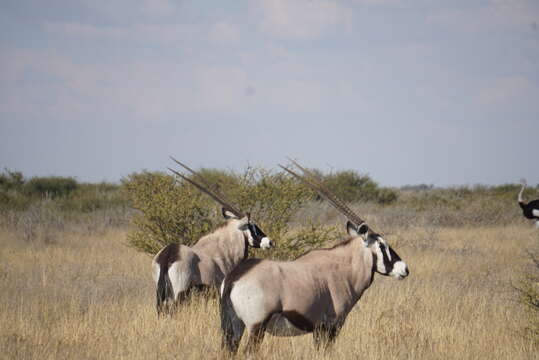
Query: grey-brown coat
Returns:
{"type": "Point", "coordinates": [312, 294]}
{"type": "Point", "coordinates": [178, 268]}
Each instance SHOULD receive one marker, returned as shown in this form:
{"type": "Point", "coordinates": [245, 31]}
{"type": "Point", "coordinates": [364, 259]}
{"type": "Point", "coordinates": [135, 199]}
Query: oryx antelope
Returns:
{"type": "Point", "coordinates": [311, 294]}
{"type": "Point", "coordinates": [177, 269]}
{"type": "Point", "coordinates": [530, 210]}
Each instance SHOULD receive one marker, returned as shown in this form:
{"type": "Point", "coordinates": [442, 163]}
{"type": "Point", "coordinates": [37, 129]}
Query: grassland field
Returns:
{"type": "Point", "coordinates": [90, 296]}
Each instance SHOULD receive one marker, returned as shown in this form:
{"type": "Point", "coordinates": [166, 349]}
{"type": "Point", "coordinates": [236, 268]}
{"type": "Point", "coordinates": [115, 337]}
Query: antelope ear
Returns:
{"type": "Point", "coordinates": [351, 229]}
{"type": "Point", "coordinates": [227, 214]}
{"type": "Point", "coordinates": [361, 230]}
{"type": "Point", "coordinates": [243, 223]}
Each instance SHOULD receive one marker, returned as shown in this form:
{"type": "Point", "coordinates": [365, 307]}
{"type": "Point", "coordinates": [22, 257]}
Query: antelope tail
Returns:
{"type": "Point", "coordinates": [164, 292]}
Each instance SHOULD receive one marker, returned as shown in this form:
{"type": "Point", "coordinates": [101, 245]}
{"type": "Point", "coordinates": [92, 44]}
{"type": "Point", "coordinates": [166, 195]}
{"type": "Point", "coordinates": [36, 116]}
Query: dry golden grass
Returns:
{"type": "Point", "coordinates": [89, 297]}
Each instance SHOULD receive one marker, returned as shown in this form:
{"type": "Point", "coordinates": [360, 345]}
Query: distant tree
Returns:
{"type": "Point", "coordinates": [11, 180]}
{"type": "Point", "coordinates": [351, 186]}
{"type": "Point", "coordinates": [52, 186]}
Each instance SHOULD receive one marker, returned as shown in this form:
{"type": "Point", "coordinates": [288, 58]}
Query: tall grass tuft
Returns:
{"type": "Point", "coordinates": [528, 291]}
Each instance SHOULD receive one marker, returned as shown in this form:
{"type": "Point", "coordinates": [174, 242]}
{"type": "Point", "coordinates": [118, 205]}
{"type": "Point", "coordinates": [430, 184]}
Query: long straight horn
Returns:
{"type": "Point", "coordinates": [208, 185]}
{"type": "Point", "coordinates": [316, 185]}
{"type": "Point", "coordinates": [213, 195]}
{"type": "Point", "coordinates": [334, 199]}
{"type": "Point", "coordinates": [199, 177]}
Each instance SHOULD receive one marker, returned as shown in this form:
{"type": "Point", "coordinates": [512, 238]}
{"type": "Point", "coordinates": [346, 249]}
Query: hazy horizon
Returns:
{"type": "Point", "coordinates": [443, 93]}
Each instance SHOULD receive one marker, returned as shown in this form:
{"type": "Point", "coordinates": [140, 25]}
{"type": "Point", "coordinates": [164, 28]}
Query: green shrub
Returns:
{"type": "Point", "coordinates": [220, 180]}
{"type": "Point", "coordinates": [307, 237]}
{"type": "Point", "coordinates": [386, 196]}
{"type": "Point", "coordinates": [272, 198]}
{"type": "Point", "coordinates": [427, 200]}
{"type": "Point", "coordinates": [352, 187]}
{"type": "Point", "coordinates": [175, 212]}
{"type": "Point", "coordinates": [13, 200]}
{"type": "Point", "coordinates": [169, 212]}
{"type": "Point", "coordinates": [18, 194]}
{"type": "Point", "coordinates": [88, 198]}
{"type": "Point", "coordinates": [11, 183]}
{"type": "Point", "coordinates": [11, 180]}
{"type": "Point", "coordinates": [52, 186]}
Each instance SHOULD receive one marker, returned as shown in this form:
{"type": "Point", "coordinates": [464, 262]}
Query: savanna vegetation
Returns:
{"type": "Point", "coordinates": [76, 283]}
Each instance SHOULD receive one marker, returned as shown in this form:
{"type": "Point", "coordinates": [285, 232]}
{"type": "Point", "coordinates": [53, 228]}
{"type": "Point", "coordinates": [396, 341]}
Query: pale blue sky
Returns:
{"type": "Point", "coordinates": [442, 92]}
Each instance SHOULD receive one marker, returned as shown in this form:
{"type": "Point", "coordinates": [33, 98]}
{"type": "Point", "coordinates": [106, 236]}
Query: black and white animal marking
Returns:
{"type": "Point", "coordinates": [179, 269]}
{"type": "Point", "coordinates": [312, 294]}
{"type": "Point", "coordinates": [530, 210]}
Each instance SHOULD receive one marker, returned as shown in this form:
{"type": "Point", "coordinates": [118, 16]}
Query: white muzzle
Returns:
{"type": "Point", "coordinates": [400, 270]}
{"type": "Point", "coordinates": [266, 243]}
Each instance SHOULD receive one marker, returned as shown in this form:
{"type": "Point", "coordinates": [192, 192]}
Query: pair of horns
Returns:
{"type": "Point", "coordinates": [213, 194]}
{"type": "Point", "coordinates": [311, 180]}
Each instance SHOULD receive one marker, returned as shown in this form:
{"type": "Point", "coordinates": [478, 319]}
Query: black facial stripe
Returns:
{"type": "Point", "coordinates": [252, 230]}
{"type": "Point", "coordinates": [256, 234]}
{"type": "Point", "coordinates": [394, 256]}
{"type": "Point", "coordinates": [387, 263]}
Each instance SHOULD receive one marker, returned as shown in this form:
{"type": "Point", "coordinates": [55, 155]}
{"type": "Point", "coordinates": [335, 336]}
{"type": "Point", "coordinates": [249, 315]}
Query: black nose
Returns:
{"type": "Point", "coordinates": [407, 271]}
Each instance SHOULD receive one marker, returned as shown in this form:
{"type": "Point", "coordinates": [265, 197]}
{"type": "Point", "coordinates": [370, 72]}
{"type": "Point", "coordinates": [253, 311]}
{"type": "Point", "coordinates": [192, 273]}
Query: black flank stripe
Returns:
{"type": "Point", "coordinates": [298, 320]}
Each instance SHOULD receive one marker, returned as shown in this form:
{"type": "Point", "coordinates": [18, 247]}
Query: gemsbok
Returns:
{"type": "Point", "coordinates": [529, 210]}
{"type": "Point", "coordinates": [311, 294]}
{"type": "Point", "coordinates": [178, 269]}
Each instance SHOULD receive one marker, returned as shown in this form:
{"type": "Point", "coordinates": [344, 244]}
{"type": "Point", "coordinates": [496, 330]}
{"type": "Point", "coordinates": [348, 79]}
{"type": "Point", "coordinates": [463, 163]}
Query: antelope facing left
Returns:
{"type": "Point", "coordinates": [177, 269]}
{"type": "Point", "coordinates": [311, 294]}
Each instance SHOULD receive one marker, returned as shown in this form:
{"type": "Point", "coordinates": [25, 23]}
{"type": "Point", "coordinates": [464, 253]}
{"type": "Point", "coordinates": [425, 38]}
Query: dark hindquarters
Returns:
{"type": "Point", "coordinates": [164, 292]}
{"type": "Point", "coordinates": [231, 325]}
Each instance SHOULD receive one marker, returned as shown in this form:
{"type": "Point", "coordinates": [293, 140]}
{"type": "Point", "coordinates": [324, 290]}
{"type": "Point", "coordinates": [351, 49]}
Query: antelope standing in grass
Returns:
{"type": "Point", "coordinates": [311, 294]}
{"type": "Point", "coordinates": [177, 269]}
{"type": "Point", "coordinates": [530, 210]}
